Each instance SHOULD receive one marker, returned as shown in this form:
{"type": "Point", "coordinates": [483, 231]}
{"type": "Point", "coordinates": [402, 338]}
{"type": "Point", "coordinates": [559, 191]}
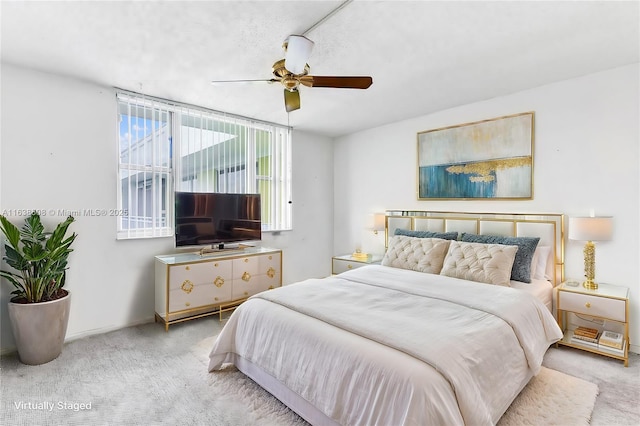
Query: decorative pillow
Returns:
{"type": "Point", "coordinates": [418, 254]}
{"type": "Point", "coordinates": [539, 263]}
{"type": "Point", "coordinates": [526, 247]}
{"type": "Point", "coordinates": [485, 263]}
{"type": "Point", "coordinates": [427, 234]}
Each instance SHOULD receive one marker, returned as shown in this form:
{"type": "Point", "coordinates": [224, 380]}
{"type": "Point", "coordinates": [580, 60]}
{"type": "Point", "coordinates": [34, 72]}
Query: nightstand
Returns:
{"type": "Point", "coordinates": [346, 262]}
{"type": "Point", "coordinates": [605, 308]}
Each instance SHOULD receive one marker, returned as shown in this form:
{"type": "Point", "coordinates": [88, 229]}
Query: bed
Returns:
{"type": "Point", "coordinates": [413, 340]}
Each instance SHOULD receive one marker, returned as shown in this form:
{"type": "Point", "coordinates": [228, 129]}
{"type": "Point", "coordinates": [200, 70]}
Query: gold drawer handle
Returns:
{"type": "Point", "coordinates": [187, 268]}
{"type": "Point", "coordinates": [270, 257]}
{"type": "Point", "coordinates": [246, 277]}
{"type": "Point", "coordinates": [246, 260]}
{"type": "Point", "coordinates": [215, 265]}
{"type": "Point", "coordinates": [349, 266]}
{"type": "Point", "coordinates": [219, 281]}
{"type": "Point", "coordinates": [270, 287]}
{"type": "Point", "coordinates": [271, 272]}
{"type": "Point", "coordinates": [187, 286]}
{"type": "Point", "coordinates": [246, 294]}
{"type": "Point", "coordinates": [588, 305]}
{"type": "Point", "coordinates": [216, 299]}
{"type": "Point", "coordinates": [187, 304]}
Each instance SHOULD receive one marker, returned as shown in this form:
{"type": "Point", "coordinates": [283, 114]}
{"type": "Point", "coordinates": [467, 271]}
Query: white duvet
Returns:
{"type": "Point", "coordinates": [381, 345]}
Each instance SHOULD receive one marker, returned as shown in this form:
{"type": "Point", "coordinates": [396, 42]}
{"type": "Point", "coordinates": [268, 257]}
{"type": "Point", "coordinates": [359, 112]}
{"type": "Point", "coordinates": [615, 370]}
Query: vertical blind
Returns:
{"type": "Point", "coordinates": [166, 146]}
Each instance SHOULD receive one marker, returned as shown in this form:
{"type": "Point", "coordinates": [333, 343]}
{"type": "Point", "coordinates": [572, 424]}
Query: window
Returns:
{"type": "Point", "coordinates": [165, 146]}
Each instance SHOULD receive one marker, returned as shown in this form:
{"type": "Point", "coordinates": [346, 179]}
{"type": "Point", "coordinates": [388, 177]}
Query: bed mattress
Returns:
{"type": "Point", "coordinates": [541, 289]}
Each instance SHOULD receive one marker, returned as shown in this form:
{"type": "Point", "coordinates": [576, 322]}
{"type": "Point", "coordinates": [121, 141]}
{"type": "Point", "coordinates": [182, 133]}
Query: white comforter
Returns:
{"type": "Point", "coordinates": [380, 345]}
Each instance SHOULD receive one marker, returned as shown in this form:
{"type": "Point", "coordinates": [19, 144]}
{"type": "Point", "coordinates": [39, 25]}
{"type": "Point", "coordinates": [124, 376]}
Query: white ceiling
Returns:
{"type": "Point", "coordinates": [424, 56]}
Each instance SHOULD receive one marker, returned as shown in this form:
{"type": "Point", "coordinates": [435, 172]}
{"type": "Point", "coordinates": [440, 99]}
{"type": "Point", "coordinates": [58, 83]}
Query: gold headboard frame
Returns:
{"type": "Point", "coordinates": [548, 226]}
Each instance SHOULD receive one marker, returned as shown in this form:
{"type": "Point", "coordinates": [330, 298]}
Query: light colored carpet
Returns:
{"type": "Point", "coordinates": [550, 398]}
{"type": "Point", "coordinates": [144, 376]}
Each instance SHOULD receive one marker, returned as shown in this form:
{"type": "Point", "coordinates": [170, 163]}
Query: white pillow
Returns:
{"type": "Point", "coordinates": [485, 263]}
{"type": "Point", "coordinates": [418, 254]}
{"type": "Point", "coordinates": [539, 263]}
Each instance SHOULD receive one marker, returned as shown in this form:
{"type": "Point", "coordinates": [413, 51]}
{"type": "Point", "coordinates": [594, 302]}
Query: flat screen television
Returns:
{"type": "Point", "coordinates": [216, 219]}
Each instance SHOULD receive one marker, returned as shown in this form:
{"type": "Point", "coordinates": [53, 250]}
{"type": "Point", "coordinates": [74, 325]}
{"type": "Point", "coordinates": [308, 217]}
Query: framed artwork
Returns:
{"type": "Point", "coordinates": [489, 159]}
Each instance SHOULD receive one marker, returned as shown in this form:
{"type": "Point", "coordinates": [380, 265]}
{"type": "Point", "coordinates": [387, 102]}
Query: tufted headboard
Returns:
{"type": "Point", "coordinates": [548, 226]}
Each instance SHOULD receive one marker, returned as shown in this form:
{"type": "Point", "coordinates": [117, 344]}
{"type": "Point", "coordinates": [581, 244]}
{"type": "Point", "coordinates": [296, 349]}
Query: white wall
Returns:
{"type": "Point", "coordinates": [586, 158]}
{"type": "Point", "coordinates": [59, 151]}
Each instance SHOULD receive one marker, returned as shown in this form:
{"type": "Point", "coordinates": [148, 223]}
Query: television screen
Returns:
{"type": "Point", "coordinates": [205, 218]}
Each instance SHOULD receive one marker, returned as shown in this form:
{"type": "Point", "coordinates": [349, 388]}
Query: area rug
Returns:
{"type": "Point", "coordinates": [550, 398]}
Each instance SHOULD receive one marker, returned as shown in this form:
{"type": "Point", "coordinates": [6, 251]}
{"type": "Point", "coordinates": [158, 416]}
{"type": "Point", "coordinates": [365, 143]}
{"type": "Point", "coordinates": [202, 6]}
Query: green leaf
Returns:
{"type": "Point", "coordinates": [10, 231]}
{"type": "Point", "coordinates": [33, 230]}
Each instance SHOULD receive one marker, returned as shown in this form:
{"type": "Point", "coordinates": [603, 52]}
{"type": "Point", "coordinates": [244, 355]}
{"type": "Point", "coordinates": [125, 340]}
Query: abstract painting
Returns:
{"type": "Point", "coordinates": [489, 159]}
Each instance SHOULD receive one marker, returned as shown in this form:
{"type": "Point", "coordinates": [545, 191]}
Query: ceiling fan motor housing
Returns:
{"type": "Point", "coordinates": [288, 79]}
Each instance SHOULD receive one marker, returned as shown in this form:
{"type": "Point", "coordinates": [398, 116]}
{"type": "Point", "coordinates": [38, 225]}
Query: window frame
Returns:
{"type": "Point", "coordinates": [278, 180]}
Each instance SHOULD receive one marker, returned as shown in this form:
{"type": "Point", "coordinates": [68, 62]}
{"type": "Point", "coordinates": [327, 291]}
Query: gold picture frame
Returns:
{"type": "Point", "coordinates": [488, 159]}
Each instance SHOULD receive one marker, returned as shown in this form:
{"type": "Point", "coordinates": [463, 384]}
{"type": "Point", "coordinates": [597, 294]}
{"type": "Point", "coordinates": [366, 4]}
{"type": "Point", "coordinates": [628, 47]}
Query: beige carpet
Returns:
{"type": "Point", "coordinates": [550, 398]}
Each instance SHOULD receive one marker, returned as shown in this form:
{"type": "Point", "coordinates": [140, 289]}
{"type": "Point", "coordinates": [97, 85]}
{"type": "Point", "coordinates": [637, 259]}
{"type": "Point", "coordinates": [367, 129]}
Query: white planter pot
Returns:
{"type": "Point", "coordinates": [39, 329]}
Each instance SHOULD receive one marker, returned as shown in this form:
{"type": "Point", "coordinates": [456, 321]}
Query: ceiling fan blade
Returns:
{"type": "Point", "coordinates": [297, 53]}
{"type": "Point", "coordinates": [338, 82]}
{"type": "Point", "coordinates": [272, 80]}
{"type": "Point", "coordinates": [291, 100]}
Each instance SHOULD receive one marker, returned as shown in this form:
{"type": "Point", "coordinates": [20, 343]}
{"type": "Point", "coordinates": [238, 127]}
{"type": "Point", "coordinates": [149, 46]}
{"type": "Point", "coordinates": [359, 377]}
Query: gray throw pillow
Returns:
{"type": "Point", "coordinates": [427, 234]}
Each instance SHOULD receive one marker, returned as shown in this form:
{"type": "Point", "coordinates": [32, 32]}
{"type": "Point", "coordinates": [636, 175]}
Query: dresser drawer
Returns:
{"type": "Point", "coordinates": [199, 273]}
{"type": "Point", "coordinates": [269, 262]}
{"type": "Point", "coordinates": [592, 305]}
{"type": "Point", "coordinates": [195, 296]}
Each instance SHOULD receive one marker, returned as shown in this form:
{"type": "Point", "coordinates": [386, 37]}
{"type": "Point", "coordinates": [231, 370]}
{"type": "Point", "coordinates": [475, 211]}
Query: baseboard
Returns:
{"type": "Point", "coordinates": [93, 332]}
{"type": "Point", "coordinates": [87, 333]}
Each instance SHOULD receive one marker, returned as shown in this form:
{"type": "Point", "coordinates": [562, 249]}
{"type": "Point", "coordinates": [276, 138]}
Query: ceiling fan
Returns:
{"type": "Point", "coordinates": [293, 71]}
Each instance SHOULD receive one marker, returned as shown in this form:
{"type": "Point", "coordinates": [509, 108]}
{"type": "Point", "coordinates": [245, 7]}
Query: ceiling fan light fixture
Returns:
{"type": "Point", "coordinates": [298, 51]}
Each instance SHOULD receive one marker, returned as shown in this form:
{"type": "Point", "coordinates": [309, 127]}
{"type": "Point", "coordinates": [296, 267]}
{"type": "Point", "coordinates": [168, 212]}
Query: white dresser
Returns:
{"type": "Point", "coordinates": [190, 285]}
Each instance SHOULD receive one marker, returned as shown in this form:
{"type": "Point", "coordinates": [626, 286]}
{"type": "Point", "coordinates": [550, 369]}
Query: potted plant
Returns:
{"type": "Point", "coordinates": [39, 308]}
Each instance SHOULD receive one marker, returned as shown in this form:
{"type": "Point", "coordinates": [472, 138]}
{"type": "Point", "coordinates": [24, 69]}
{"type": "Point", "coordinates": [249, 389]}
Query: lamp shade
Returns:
{"type": "Point", "coordinates": [297, 54]}
{"type": "Point", "coordinates": [378, 221]}
{"type": "Point", "coordinates": [590, 228]}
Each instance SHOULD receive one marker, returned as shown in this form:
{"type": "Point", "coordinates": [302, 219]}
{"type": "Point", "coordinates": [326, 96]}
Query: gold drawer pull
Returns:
{"type": "Point", "coordinates": [246, 294]}
{"type": "Point", "coordinates": [349, 266]}
{"type": "Point", "coordinates": [215, 265]}
{"type": "Point", "coordinates": [187, 286]}
{"type": "Point", "coordinates": [246, 260]}
{"type": "Point", "coordinates": [270, 257]}
{"type": "Point", "coordinates": [216, 299]}
{"type": "Point", "coordinates": [271, 272]}
{"type": "Point", "coordinates": [187, 304]}
{"type": "Point", "coordinates": [588, 305]}
{"type": "Point", "coordinates": [219, 281]}
{"type": "Point", "coordinates": [270, 287]}
{"type": "Point", "coordinates": [187, 268]}
{"type": "Point", "coordinates": [246, 277]}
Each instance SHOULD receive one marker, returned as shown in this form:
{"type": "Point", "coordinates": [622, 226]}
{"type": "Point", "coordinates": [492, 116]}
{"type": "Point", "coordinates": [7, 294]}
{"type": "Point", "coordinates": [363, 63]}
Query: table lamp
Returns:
{"type": "Point", "coordinates": [590, 229]}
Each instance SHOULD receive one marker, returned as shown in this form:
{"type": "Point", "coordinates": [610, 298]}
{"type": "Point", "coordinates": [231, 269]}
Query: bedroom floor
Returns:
{"type": "Point", "coordinates": [142, 375]}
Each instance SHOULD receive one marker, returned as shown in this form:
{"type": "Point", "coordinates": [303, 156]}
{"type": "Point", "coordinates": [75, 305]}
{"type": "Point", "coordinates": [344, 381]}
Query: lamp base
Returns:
{"type": "Point", "coordinates": [590, 285]}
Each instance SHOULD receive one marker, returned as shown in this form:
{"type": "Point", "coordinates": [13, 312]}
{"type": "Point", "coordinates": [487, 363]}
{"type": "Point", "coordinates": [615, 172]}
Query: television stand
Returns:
{"type": "Point", "coordinates": [189, 286]}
